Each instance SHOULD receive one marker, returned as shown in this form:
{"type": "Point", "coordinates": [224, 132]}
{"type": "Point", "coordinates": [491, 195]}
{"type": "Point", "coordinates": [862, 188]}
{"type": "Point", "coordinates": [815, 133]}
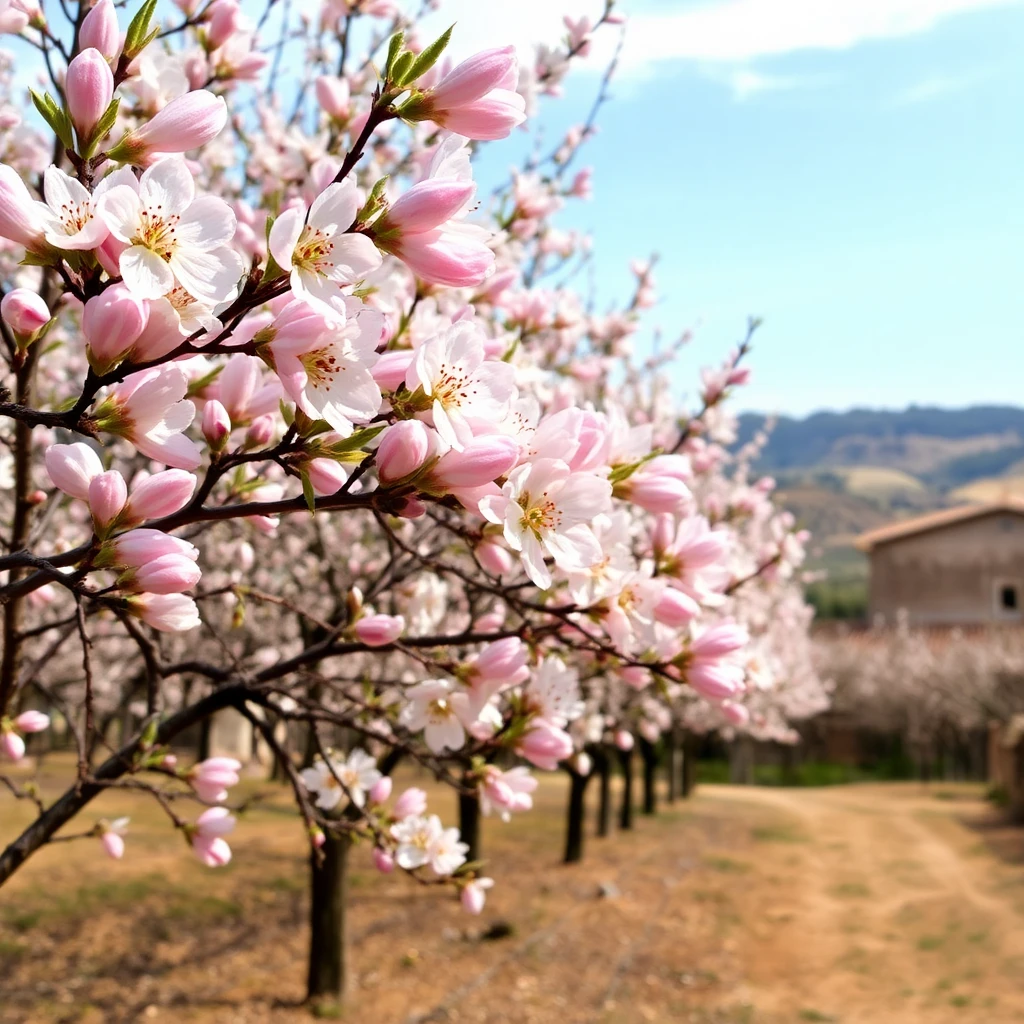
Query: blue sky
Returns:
{"type": "Point", "coordinates": [850, 170]}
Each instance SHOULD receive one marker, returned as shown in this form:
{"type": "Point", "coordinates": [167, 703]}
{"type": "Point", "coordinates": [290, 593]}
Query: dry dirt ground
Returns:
{"type": "Point", "coordinates": [874, 903]}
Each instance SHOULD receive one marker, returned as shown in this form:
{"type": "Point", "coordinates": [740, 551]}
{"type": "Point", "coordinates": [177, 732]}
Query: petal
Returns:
{"type": "Point", "coordinates": [121, 210]}
{"type": "Point", "coordinates": [354, 257]}
{"type": "Point", "coordinates": [207, 223]}
{"type": "Point", "coordinates": [335, 208]}
{"type": "Point", "coordinates": [145, 275]}
{"type": "Point", "coordinates": [60, 189]}
{"type": "Point", "coordinates": [200, 273]}
{"type": "Point", "coordinates": [284, 235]}
{"type": "Point", "coordinates": [169, 185]}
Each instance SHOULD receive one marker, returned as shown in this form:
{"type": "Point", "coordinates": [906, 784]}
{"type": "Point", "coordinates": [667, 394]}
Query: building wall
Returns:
{"type": "Point", "coordinates": [952, 575]}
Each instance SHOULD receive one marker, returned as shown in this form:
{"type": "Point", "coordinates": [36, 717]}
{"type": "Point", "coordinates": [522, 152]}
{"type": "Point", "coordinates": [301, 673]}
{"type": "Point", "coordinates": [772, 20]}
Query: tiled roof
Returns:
{"type": "Point", "coordinates": [936, 520]}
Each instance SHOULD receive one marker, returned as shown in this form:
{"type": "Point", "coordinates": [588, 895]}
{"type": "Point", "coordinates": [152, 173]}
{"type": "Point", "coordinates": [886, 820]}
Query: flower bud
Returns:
{"type": "Point", "coordinates": [100, 31]}
{"type": "Point", "coordinates": [381, 790]}
{"type": "Point", "coordinates": [224, 19]}
{"type": "Point", "coordinates": [333, 95]}
{"type": "Point", "coordinates": [162, 494]}
{"type": "Point", "coordinates": [326, 475]}
{"type": "Point", "coordinates": [676, 609]}
{"type": "Point", "coordinates": [169, 613]}
{"type": "Point", "coordinates": [412, 803]}
{"type": "Point", "coordinates": [216, 424]}
{"type": "Point", "coordinates": [113, 845]}
{"type": "Point", "coordinates": [383, 861]}
{"type": "Point", "coordinates": [481, 461]}
{"type": "Point", "coordinates": [403, 448]}
{"type": "Point", "coordinates": [112, 322]}
{"type": "Point", "coordinates": [72, 467]}
{"type": "Point", "coordinates": [260, 432]}
{"type": "Point", "coordinates": [496, 559]}
{"type": "Point", "coordinates": [89, 87]}
{"type": "Point", "coordinates": [168, 574]}
{"type": "Point", "coordinates": [12, 745]}
{"type": "Point", "coordinates": [25, 313]}
{"type": "Point", "coordinates": [32, 721]}
{"type": "Point", "coordinates": [624, 740]}
{"type": "Point", "coordinates": [186, 123]}
{"type": "Point", "coordinates": [379, 630]}
{"type": "Point", "coordinates": [20, 218]}
{"type": "Point", "coordinates": [107, 497]}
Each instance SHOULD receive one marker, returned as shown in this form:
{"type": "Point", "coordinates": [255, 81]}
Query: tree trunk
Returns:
{"type": "Point", "coordinates": [328, 945]}
{"type": "Point", "coordinates": [689, 766]}
{"type": "Point", "coordinates": [469, 822]}
{"type": "Point", "coordinates": [672, 769]}
{"type": "Point", "coordinates": [649, 756]}
{"type": "Point", "coordinates": [574, 818]}
{"type": "Point", "coordinates": [626, 807]}
{"type": "Point", "coordinates": [604, 808]}
{"type": "Point", "coordinates": [203, 742]}
{"type": "Point", "coordinates": [741, 761]}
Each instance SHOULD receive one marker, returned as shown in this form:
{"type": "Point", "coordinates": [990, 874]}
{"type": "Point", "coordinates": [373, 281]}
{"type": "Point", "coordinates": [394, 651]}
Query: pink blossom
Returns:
{"type": "Point", "coordinates": [168, 574]}
{"type": "Point", "coordinates": [144, 545]}
{"type": "Point", "coordinates": [12, 745]}
{"type": "Point", "coordinates": [161, 494]}
{"type": "Point", "coordinates": [89, 87]}
{"type": "Point", "coordinates": [169, 613]}
{"type": "Point", "coordinates": [113, 845]}
{"type": "Point", "coordinates": [412, 803]}
{"type": "Point", "coordinates": [32, 721]}
{"type": "Point", "coordinates": [481, 461]}
{"type": "Point", "coordinates": [212, 851]}
{"type": "Point", "coordinates": [216, 424]}
{"type": "Point", "coordinates": [383, 861]}
{"type": "Point", "coordinates": [24, 312]}
{"type": "Point", "coordinates": [477, 99]}
{"type": "Point", "coordinates": [187, 122]}
{"type": "Point", "coordinates": [107, 496]}
{"type": "Point", "coordinates": [212, 778]}
{"type": "Point", "coordinates": [112, 322]}
{"type": "Point", "coordinates": [624, 740]}
{"type": "Point", "coordinates": [719, 640]}
{"type": "Point", "coordinates": [333, 96]}
{"type": "Point", "coordinates": [497, 560]}
{"type": "Point", "coordinates": [72, 467]}
{"type": "Point", "coordinates": [20, 218]}
{"type": "Point", "coordinates": [380, 790]}
{"type": "Point", "coordinates": [474, 894]}
{"type": "Point", "coordinates": [545, 745]}
{"type": "Point", "coordinates": [100, 30]}
{"type": "Point", "coordinates": [379, 630]}
{"type": "Point", "coordinates": [674, 608]}
{"type": "Point", "coordinates": [326, 475]}
{"type": "Point", "coordinates": [403, 449]}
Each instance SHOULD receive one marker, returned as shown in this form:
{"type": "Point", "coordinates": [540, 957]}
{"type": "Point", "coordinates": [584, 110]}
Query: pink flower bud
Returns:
{"type": "Point", "coordinates": [100, 31]}
{"type": "Point", "coordinates": [89, 87]}
{"type": "Point", "coordinates": [162, 494]}
{"type": "Point", "coordinates": [215, 821]}
{"type": "Point", "coordinates": [113, 845]}
{"type": "Point", "coordinates": [715, 680]}
{"type": "Point", "coordinates": [237, 384]}
{"type": "Point", "coordinates": [112, 322]}
{"type": "Point", "coordinates": [403, 448]}
{"type": "Point", "coordinates": [188, 122]}
{"type": "Point", "coordinates": [720, 640]}
{"type": "Point", "coordinates": [24, 312]}
{"type": "Point", "coordinates": [381, 790]}
{"type": "Point", "coordinates": [20, 218]}
{"type": "Point", "coordinates": [736, 714]}
{"type": "Point", "coordinates": [216, 424]}
{"type": "Point", "coordinates": [674, 608]}
{"type": "Point", "coordinates": [545, 745]}
{"type": "Point", "coordinates": [326, 475]}
{"type": "Point", "coordinates": [391, 368]}
{"type": "Point", "coordinates": [12, 745]}
{"type": "Point", "coordinates": [107, 497]}
{"type": "Point", "coordinates": [504, 661]}
{"type": "Point", "coordinates": [428, 204]}
{"type": "Point", "coordinates": [260, 432]}
{"type": "Point", "coordinates": [333, 96]}
{"type": "Point", "coordinates": [142, 546]}
{"type": "Point", "coordinates": [169, 613]}
{"type": "Point", "coordinates": [474, 895]}
{"type": "Point", "coordinates": [624, 740]}
{"type": "Point", "coordinates": [32, 721]}
{"type": "Point", "coordinates": [482, 460]}
{"type": "Point", "coordinates": [411, 804]}
{"type": "Point", "coordinates": [212, 778]}
{"type": "Point", "coordinates": [224, 19]}
{"type": "Point", "coordinates": [378, 630]}
{"type": "Point", "coordinates": [317, 837]}
{"type": "Point", "coordinates": [496, 559]}
{"type": "Point", "coordinates": [168, 574]}
{"type": "Point", "coordinates": [212, 851]}
{"type": "Point", "coordinates": [72, 467]}
{"type": "Point", "coordinates": [383, 861]}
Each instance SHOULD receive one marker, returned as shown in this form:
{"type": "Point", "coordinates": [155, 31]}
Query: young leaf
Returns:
{"type": "Point", "coordinates": [103, 125]}
{"type": "Point", "coordinates": [394, 49]}
{"type": "Point", "coordinates": [55, 117]}
{"type": "Point", "coordinates": [401, 68]}
{"type": "Point", "coordinates": [428, 57]}
{"type": "Point", "coordinates": [309, 494]}
{"type": "Point", "coordinates": [135, 38]}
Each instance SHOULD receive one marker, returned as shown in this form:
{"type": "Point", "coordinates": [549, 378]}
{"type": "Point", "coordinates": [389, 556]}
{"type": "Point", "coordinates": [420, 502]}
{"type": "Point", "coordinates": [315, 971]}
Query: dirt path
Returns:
{"type": "Point", "coordinates": [878, 904]}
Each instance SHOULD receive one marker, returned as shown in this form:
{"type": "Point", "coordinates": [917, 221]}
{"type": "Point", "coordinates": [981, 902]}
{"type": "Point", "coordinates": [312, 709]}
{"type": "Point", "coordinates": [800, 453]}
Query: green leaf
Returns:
{"type": "Point", "coordinates": [401, 68]}
{"type": "Point", "coordinates": [624, 472]}
{"type": "Point", "coordinates": [202, 382]}
{"type": "Point", "coordinates": [428, 57]}
{"type": "Point", "coordinates": [56, 117]}
{"type": "Point", "coordinates": [287, 412]}
{"type": "Point", "coordinates": [350, 444]}
{"type": "Point", "coordinates": [103, 126]}
{"type": "Point", "coordinates": [394, 49]}
{"type": "Point", "coordinates": [309, 494]}
{"type": "Point", "coordinates": [135, 38]}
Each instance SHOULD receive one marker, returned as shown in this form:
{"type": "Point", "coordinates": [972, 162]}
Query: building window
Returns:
{"type": "Point", "coordinates": [1008, 598]}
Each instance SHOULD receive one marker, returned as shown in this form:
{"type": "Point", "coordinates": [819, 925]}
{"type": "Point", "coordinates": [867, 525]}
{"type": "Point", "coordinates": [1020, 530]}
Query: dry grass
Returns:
{"type": "Point", "coordinates": [857, 904]}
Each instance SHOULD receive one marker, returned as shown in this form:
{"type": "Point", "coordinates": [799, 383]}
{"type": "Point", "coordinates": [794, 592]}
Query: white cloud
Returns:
{"type": "Point", "coordinates": [726, 32]}
{"type": "Point", "coordinates": [746, 83]}
{"type": "Point", "coordinates": [933, 88]}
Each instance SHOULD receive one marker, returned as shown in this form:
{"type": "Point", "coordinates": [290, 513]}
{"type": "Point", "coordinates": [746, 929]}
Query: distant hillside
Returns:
{"type": "Point", "coordinates": [917, 440]}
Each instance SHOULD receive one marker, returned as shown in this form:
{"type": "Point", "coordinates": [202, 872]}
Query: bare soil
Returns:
{"type": "Point", "coordinates": [879, 904]}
